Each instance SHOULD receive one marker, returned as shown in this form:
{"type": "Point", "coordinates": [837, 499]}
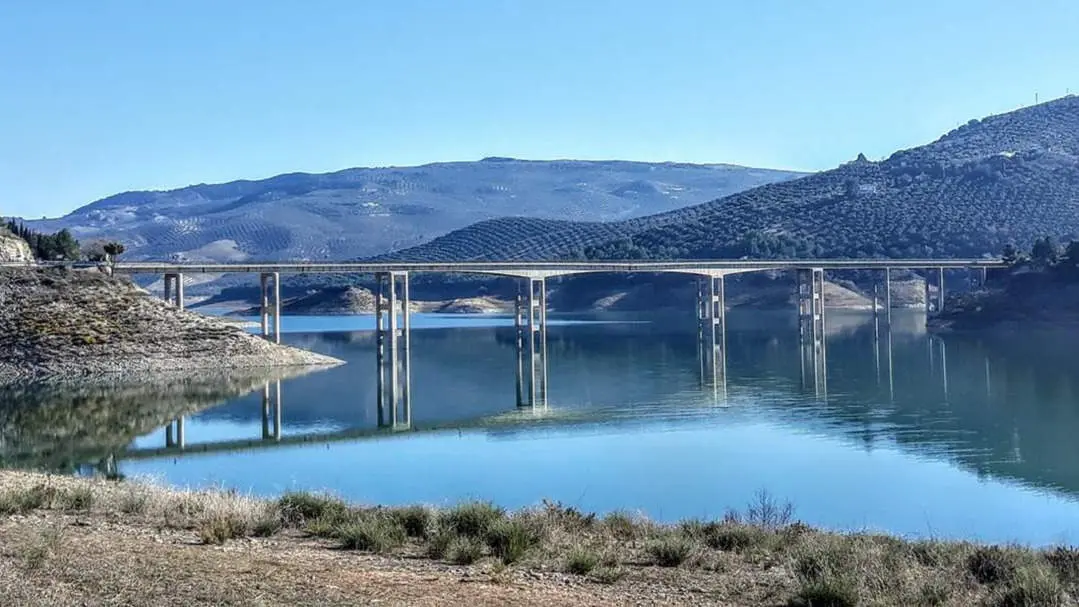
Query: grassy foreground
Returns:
{"type": "Point", "coordinates": [78, 541]}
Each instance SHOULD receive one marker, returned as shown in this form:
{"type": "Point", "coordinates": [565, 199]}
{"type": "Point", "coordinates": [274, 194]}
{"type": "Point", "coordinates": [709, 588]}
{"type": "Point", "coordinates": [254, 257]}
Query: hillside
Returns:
{"type": "Point", "coordinates": [1008, 178]}
{"type": "Point", "coordinates": [365, 212]}
{"type": "Point", "coordinates": [62, 326]}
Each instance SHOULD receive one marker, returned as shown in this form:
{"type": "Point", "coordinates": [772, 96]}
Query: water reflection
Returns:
{"type": "Point", "coordinates": [58, 427]}
{"type": "Point", "coordinates": [890, 427]}
{"type": "Point", "coordinates": [617, 375]}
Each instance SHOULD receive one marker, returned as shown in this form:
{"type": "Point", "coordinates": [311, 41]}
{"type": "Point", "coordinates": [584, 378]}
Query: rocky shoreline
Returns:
{"type": "Point", "coordinates": [60, 325]}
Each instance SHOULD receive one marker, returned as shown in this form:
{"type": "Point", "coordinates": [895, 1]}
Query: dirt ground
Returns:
{"type": "Point", "coordinates": [58, 559]}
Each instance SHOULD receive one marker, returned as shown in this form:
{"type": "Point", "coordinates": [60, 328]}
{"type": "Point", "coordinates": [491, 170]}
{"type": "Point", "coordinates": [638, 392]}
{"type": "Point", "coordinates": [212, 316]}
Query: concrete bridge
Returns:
{"type": "Point", "coordinates": [393, 325]}
{"type": "Point", "coordinates": [392, 312]}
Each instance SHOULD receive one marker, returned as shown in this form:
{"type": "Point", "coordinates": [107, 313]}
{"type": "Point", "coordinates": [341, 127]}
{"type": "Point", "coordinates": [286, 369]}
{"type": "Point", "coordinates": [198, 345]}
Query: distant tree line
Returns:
{"type": "Point", "coordinates": [60, 246]}
{"type": "Point", "coordinates": [1045, 254]}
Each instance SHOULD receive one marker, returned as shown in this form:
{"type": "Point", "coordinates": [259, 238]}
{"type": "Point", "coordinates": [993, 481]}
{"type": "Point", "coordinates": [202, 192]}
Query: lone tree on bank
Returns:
{"type": "Point", "coordinates": [113, 250]}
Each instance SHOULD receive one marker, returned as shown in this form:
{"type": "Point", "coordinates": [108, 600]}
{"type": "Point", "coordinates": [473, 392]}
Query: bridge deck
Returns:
{"type": "Point", "coordinates": [533, 268]}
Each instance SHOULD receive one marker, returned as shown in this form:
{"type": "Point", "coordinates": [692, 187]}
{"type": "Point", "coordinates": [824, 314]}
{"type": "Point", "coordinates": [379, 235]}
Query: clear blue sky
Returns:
{"type": "Point", "coordinates": [112, 95]}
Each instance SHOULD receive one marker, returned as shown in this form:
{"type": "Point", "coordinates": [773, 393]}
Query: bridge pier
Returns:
{"type": "Point", "coordinates": [174, 433]}
{"type": "Point", "coordinates": [532, 390]}
{"type": "Point", "coordinates": [811, 326]}
{"type": "Point", "coordinates": [712, 329]}
{"type": "Point", "coordinates": [174, 289]}
{"type": "Point", "coordinates": [888, 295]}
{"type": "Point", "coordinates": [270, 310]}
{"type": "Point", "coordinates": [940, 290]}
{"type": "Point", "coordinates": [393, 327]}
{"type": "Point", "coordinates": [271, 410]}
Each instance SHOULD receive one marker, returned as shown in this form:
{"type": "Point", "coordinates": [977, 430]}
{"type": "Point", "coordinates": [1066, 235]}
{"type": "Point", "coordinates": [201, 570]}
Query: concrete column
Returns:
{"type": "Point", "coordinates": [876, 347]}
{"type": "Point", "coordinates": [944, 367]}
{"type": "Point", "coordinates": [380, 345]}
{"type": "Point", "coordinates": [940, 290]}
{"type": "Point", "coordinates": [888, 295]}
{"type": "Point", "coordinates": [266, 411]}
{"type": "Point", "coordinates": [928, 296]}
{"type": "Point", "coordinates": [277, 307]}
{"type": "Point", "coordinates": [264, 309]}
{"type": "Point", "coordinates": [719, 331]}
{"type": "Point", "coordinates": [395, 377]}
{"type": "Point", "coordinates": [406, 351]}
{"type": "Point", "coordinates": [180, 432]}
{"type": "Point", "coordinates": [277, 411]}
{"type": "Point", "coordinates": [543, 338]}
{"type": "Point", "coordinates": [180, 291]}
{"type": "Point", "coordinates": [536, 393]}
{"type": "Point", "coordinates": [820, 357]}
{"type": "Point", "coordinates": [168, 289]}
{"type": "Point", "coordinates": [805, 304]}
{"type": "Point", "coordinates": [518, 329]}
{"type": "Point", "coordinates": [891, 367]}
{"type": "Point", "coordinates": [532, 342]}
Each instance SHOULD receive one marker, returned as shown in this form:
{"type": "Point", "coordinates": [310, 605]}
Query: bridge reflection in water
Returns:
{"type": "Point", "coordinates": [713, 381]}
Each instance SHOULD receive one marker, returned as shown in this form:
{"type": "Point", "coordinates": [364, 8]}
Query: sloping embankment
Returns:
{"type": "Point", "coordinates": [76, 325]}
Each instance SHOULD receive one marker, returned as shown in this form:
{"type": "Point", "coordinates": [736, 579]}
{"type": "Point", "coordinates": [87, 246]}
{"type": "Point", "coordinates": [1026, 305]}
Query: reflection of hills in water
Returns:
{"type": "Point", "coordinates": [56, 427]}
{"type": "Point", "coordinates": [1016, 421]}
{"type": "Point", "coordinates": [938, 403]}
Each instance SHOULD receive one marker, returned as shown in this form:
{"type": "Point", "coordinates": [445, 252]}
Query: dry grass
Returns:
{"type": "Point", "coordinates": [757, 556]}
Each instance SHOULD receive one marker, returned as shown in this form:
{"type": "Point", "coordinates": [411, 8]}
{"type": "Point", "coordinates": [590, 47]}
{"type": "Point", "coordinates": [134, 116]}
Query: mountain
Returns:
{"type": "Point", "coordinates": [1009, 178]}
{"type": "Point", "coordinates": [369, 211]}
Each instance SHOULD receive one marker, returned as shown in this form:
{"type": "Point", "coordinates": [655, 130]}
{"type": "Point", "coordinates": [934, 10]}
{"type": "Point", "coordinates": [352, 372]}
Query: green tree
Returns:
{"type": "Point", "coordinates": [1069, 262]}
{"type": "Point", "coordinates": [1044, 253]}
{"type": "Point", "coordinates": [1010, 254]}
{"type": "Point", "coordinates": [113, 250]}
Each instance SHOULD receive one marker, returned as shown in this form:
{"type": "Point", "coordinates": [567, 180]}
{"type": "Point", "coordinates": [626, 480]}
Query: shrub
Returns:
{"type": "Point", "coordinates": [510, 539]}
{"type": "Point", "coordinates": [670, 551]}
{"type": "Point", "coordinates": [23, 500]}
{"type": "Point", "coordinates": [828, 591]}
{"type": "Point", "coordinates": [415, 520]}
{"type": "Point", "coordinates": [267, 525]}
{"type": "Point", "coordinates": [471, 519]}
{"type": "Point", "coordinates": [373, 533]}
{"type": "Point", "coordinates": [732, 537]}
{"type": "Point", "coordinates": [464, 550]}
{"type": "Point", "coordinates": [134, 502]}
{"type": "Point", "coordinates": [620, 525]}
{"type": "Point", "coordinates": [78, 498]}
{"type": "Point", "coordinates": [569, 517]}
{"type": "Point", "coordinates": [933, 594]}
{"type": "Point", "coordinates": [326, 526]}
{"type": "Point", "coordinates": [581, 560]}
{"type": "Point", "coordinates": [219, 528]}
{"type": "Point", "coordinates": [765, 511]}
{"type": "Point", "coordinates": [991, 564]}
{"type": "Point", "coordinates": [1065, 561]}
{"type": "Point", "coordinates": [298, 507]}
{"type": "Point", "coordinates": [438, 543]}
{"type": "Point", "coordinates": [1032, 586]}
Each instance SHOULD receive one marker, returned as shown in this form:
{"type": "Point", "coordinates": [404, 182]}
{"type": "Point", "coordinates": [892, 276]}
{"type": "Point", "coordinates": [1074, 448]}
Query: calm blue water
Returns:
{"type": "Point", "coordinates": [961, 437]}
